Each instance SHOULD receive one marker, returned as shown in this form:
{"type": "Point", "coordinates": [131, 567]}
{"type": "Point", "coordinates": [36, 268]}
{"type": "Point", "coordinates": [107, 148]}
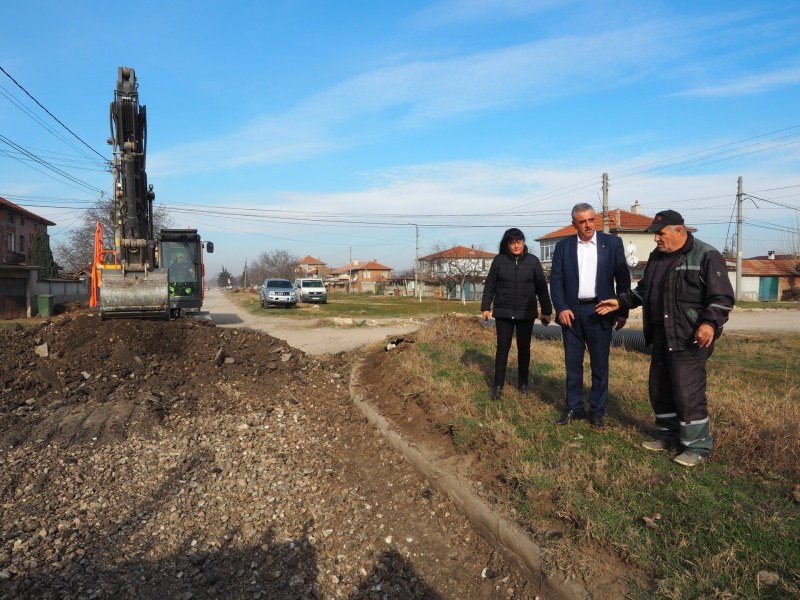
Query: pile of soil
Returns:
{"type": "Point", "coordinates": [147, 459]}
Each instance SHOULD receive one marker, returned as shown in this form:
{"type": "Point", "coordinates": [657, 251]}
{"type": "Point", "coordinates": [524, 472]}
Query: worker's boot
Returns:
{"type": "Point", "coordinates": [496, 392]}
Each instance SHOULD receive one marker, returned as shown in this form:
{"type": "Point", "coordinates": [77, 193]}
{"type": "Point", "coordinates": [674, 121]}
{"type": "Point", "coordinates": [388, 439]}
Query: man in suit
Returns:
{"type": "Point", "coordinates": [585, 269]}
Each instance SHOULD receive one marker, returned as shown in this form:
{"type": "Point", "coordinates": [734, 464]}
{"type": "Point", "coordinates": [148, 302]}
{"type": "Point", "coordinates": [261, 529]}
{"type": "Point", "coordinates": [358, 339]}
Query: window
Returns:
{"type": "Point", "coordinates": [22, 243]}
{"type": "Point", "coordinates": [10, 241]}
{"type": "Point", "coordinates": [546, 249]}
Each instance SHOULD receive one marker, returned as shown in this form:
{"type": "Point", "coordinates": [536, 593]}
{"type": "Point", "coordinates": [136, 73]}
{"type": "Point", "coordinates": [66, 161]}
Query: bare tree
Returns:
{"type": "Point", "coordinates": [273, 263]}
{"type": "Point", "coordinates": [790, 243]}
{"type": "Point", "coordinates": [455, 270]}
{"type": "Point", "coordinates": [77, 251]}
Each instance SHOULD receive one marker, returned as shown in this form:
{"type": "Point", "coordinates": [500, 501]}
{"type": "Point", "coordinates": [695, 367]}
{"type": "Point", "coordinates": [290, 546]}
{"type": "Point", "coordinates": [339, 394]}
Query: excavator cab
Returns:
{"type": "Point", "coordinates": [181, 252]}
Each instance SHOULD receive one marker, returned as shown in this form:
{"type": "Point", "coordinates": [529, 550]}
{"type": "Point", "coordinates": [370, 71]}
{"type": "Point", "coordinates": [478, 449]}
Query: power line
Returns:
{"type": "Point", "coordinates": [43, 163]}
{"type": "Point", "coordinates": [52, 115]}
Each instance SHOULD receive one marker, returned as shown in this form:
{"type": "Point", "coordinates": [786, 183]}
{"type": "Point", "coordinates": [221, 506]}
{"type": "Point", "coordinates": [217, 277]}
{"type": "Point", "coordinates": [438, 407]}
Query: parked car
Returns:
{"type": "Point", "coordinates": [311, 290]}
{"type": "Point", "coordinates": [277, 292]}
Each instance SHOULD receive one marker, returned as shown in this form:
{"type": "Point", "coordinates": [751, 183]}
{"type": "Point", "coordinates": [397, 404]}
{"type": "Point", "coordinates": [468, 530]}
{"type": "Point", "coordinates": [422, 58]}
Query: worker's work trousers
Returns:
{"type": "Point", "coordinates": [678, 394]}
{"type": "Point", "coordinates": [505, 333]}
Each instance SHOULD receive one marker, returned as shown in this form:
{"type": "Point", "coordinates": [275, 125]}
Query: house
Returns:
{"type": "Point", "coordinates": [309, 266]}
{"type": "Point", "coordinates": [19, 283]}
{"type": "Point", "coordinates": [370, 277]}
{"type": "Point", "coordinates": [456, 271]}
{"type": "Point", "coordinates": [769, 279]}
{"type": "Point", "coordinates": [17, 226]}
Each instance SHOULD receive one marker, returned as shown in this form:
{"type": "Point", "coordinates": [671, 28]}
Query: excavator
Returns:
{"type": "Point", "coordinates": [143, 275]}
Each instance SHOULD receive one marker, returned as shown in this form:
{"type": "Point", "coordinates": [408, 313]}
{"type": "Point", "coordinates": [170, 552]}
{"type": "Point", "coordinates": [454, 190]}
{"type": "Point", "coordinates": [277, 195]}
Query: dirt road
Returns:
{"type": "Point", "coordinates": [309, 337]}
{"type": "Point", "coordinates": [305, 334]}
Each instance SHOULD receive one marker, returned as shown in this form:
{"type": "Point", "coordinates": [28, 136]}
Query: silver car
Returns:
{"type": "Point", "coordinates": [277, 292]}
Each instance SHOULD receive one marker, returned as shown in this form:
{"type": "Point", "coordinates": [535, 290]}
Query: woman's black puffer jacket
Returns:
{"type": "Point", "coordinates": [512, 286]}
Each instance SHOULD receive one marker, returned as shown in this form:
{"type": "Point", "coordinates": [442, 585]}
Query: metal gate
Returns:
{"type": "Point", "coordinates": [12, 298]}
{"type": "Point", "coordinates": [768, 289]}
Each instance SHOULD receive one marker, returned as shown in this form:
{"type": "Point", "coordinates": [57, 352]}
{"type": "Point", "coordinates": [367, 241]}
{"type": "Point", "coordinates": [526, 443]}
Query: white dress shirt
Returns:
{"type": "Point", "coordinates": [587, 268]}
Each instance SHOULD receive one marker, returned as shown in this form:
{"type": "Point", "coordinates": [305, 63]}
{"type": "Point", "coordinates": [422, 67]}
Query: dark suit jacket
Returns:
{"type": "Point", "coordinates": [611, 269]}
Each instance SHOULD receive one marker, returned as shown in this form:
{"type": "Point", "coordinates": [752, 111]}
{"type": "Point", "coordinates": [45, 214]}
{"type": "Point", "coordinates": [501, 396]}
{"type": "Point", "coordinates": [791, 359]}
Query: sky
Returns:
{"type": "Point", "coordinates": [379, 130]}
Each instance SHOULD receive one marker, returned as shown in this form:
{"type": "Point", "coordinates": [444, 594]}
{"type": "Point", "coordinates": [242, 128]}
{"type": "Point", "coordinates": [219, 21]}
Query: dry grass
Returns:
{"type": "Point", "coordinates": [714, 527]}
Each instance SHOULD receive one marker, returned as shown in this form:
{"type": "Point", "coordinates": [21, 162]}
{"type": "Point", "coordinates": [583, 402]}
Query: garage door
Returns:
{"type": "Point", "coordinates": [12, 298]}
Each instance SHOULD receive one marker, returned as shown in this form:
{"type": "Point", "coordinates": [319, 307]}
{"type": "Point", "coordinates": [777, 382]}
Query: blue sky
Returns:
{"type": "Point", "coordinates": [332, 128]}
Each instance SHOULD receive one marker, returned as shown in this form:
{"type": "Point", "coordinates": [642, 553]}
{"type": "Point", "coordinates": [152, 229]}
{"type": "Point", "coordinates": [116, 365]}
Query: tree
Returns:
{"type": "Point", "coordinates": [77, 251]}
{"type": "Point", "coordinates": [224, 279]}
{"type": "Point", "coordinates": [274, 263]}
{"type": "Point", "coordinates": [455, 271]}
{"type": "Point", "coordinates": [40, 255]}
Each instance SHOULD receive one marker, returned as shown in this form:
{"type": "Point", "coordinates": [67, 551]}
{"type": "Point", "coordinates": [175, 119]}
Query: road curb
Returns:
{"type": "Point", "coordinates": [504, 535]}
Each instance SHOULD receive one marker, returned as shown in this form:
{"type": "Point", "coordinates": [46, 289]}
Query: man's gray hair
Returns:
{"type": "Point", "coordinates": [581, 207]}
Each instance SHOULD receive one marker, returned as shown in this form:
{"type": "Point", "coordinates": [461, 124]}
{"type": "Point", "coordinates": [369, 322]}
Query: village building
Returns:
{"type": "Point", "coordinates": [457, 272]}
{"type": "Point", "coordinates": [310, 266]}
{"type": "Point", "coordinates": [370, 277]}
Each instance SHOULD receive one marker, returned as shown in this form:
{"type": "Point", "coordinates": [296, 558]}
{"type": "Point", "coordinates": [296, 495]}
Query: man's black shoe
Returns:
{"type": "Point", "coordinates": [496, 392]}
{"type": "Point", "coordinates": [596, 421]}
{"type": "Point", "coordinates": [569, 416]}
{"type": "Point", "coordinates": [523, 388]}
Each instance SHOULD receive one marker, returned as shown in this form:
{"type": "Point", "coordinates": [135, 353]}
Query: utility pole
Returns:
{"type": "Point", "coordinates": [739, 197]}
{"type": "Point", "coordinates": [605, 203]}
{"type": "Point", "coordinates": [350, 269]}
{"type": "Point", "coordinates": [416, 264]}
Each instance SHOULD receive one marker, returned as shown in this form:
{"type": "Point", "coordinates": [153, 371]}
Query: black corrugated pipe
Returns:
{"type": "Point", "coordinates": [630, 339]}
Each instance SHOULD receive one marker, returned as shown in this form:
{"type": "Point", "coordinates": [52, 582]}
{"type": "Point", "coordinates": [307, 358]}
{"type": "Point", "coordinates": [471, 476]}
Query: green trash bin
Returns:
{"type": "Point", "coordinates": [45, 305]}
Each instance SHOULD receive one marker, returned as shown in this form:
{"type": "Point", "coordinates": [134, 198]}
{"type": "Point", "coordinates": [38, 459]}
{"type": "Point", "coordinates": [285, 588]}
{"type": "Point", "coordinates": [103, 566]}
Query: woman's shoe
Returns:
{"type": "Point", "coordinates": [496, 392]}
{"type": "Point", "coordinates": [523, 388]}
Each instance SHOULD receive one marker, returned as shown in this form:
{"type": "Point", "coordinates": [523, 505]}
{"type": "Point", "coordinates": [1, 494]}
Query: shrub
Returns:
{"type": "Point", "coordinates": [791, 295]}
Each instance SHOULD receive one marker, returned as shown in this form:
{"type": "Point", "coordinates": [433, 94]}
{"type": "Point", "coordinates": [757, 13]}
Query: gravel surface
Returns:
{"type": "Point", "coordinates": [143, 459]}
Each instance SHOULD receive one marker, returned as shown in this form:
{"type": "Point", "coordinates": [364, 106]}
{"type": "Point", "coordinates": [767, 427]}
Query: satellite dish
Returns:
{"type": "Point", "coordinates": [632, 260]}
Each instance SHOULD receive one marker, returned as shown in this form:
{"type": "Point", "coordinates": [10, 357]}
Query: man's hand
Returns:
{"type": "Point", "coordinates": [486, 314]}
{"type": "Point", "coordinates": [619, 323]}
{"type": "Point", "coordinates": [545, 319]}
{"type": "Point", "coordinates": [704, 336]}
{"type": "Point", "coordinates": [605, 307]}
{"type": "Point", "coordinates": [565, 317]}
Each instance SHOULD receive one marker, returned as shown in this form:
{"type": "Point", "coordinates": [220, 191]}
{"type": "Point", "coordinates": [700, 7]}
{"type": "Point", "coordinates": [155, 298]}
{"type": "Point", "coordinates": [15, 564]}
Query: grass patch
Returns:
{"type": "Point", "coordinates": [702, 533]}
{"type": "Point", "coordinates": [771, 305]}
{"type": "Point", "coordinates": [360, 306]}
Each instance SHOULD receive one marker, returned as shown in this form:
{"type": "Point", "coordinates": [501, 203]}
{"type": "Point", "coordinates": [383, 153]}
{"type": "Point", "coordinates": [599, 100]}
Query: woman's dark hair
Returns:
{"type": "Point", "coordinates": [509, 236]}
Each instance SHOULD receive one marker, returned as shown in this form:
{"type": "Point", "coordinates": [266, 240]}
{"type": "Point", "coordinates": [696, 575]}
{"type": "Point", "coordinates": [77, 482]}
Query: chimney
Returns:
{"type": "Point", "coordinates": [771, 255]}
{"type": "Point", "coordinates": [636, 207]}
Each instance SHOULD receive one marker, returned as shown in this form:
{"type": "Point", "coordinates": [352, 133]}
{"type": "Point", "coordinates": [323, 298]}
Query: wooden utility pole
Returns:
{"type": "Point", "coordinates": [605, 203]}
{"type": "Point", "coordinates": [739, 196]}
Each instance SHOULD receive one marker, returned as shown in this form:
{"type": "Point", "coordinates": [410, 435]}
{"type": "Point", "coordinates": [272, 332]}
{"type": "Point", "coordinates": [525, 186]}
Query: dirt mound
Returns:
{"type": "Point", "coordinates": [145, 459]}
{"type": "Point", "coordinates": [79, 379]}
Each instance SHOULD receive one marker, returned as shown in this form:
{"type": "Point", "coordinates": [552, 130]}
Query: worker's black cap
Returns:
{"type": "Point", "coordinates": [663, 219]}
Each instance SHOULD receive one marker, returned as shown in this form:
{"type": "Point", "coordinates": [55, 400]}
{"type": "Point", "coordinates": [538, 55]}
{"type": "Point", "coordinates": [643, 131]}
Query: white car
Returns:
{"type": "Point", "coordinates": [311, 290]}
{"type": "Point", "coordinates": [277, 292]}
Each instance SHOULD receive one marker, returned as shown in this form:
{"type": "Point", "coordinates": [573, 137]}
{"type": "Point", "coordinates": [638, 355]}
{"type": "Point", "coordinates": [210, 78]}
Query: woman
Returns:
{"type": "Point", "coordinates": [515, 280]}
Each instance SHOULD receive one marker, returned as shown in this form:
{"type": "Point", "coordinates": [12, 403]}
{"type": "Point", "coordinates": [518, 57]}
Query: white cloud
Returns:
{"type": "Point", "coordinates": [751, 84]}
{"type": "Point", "coordinates": [381, 102]}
